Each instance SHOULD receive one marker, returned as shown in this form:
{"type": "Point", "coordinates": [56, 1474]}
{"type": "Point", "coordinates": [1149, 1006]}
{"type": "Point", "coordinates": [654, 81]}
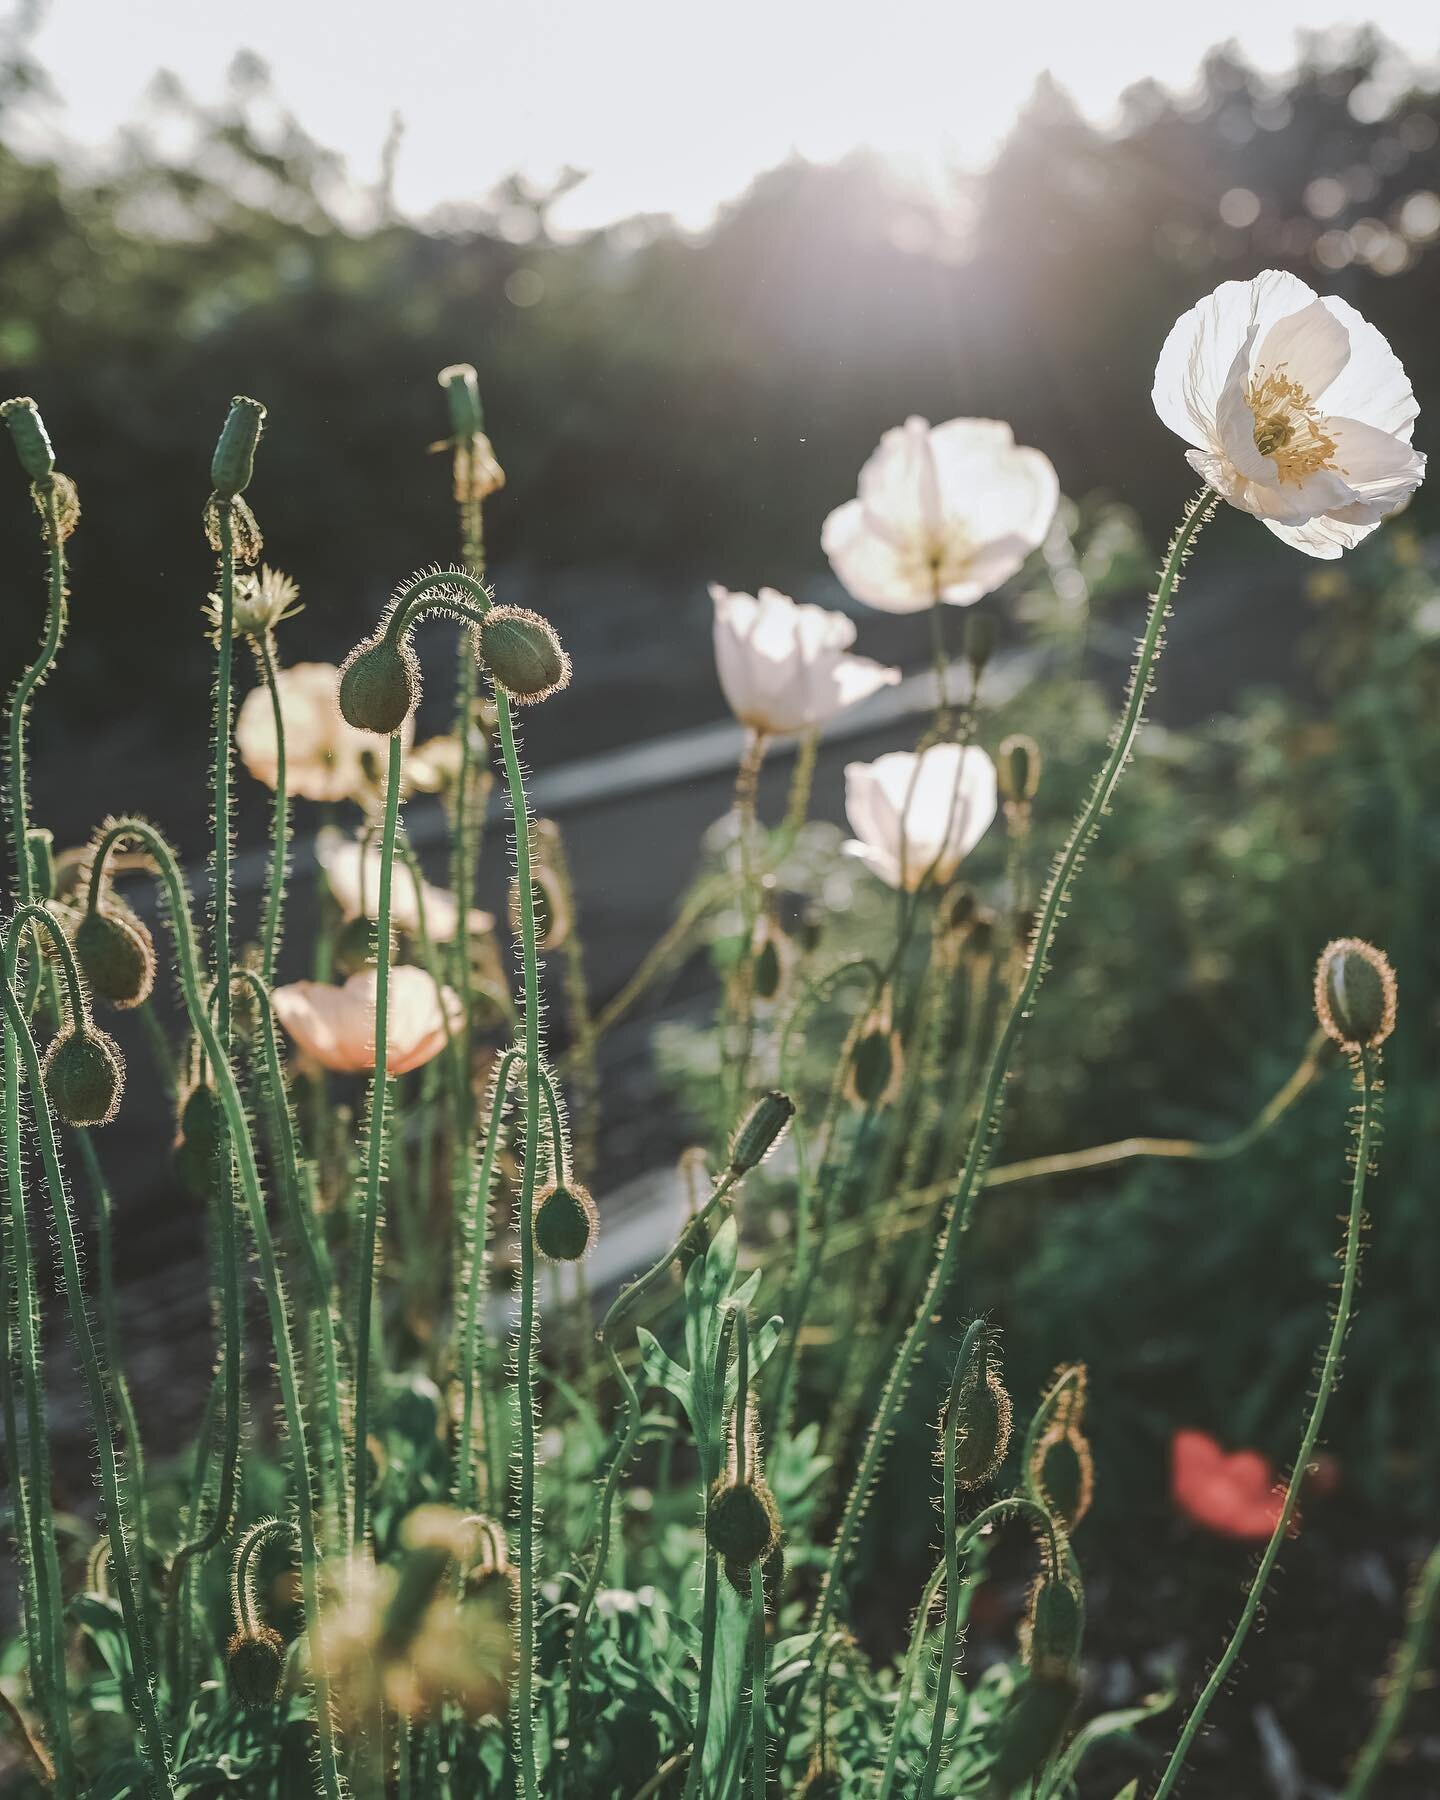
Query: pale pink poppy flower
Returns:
{"type": "Point", "coordinates": [914, 814]}
{"type": "Point", "coordinates": [946, 512]}
{"type": "Point", "coordinates": [353, 873]}
{"type": "Point", "coordinates": [1297, 410]}
{"type": "Point", "coordinates": [325, 759]}
{"type": "Point", "coordinates": [787, 668]}
{"type": "Point", "coordinates": [336, 1025]}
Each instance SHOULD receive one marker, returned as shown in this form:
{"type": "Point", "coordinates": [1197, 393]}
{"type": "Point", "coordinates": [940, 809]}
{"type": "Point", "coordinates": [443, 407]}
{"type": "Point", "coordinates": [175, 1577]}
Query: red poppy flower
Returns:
{"type": "Point", "coordinates": [1233, 1494]}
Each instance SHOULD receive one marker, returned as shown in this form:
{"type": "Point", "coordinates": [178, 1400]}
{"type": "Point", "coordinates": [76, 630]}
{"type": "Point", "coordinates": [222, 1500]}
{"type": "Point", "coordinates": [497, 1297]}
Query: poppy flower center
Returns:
{"type": "Point", "coordinates": [1288, 427]}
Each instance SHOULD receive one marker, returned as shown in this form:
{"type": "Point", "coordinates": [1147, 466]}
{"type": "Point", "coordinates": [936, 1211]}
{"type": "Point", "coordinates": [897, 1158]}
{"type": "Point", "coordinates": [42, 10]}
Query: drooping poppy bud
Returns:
{"type": "Point", "coordinates": [1061, 1471]}
{"type": "Point", "coordinates": [117, 955]}
{"type": "Point", "coordinates": [379, 685]}
{"type": "Point", "coordinates": [84, 1075]}
{"type": "Point", "coordinates": [523, 654]}
{"type": "Point", "coordinates": [565, 1222]}
{"type": "Point", "coordinates": [877, 1062]}
{"type": "Point", "coordinates": [255, 1662]}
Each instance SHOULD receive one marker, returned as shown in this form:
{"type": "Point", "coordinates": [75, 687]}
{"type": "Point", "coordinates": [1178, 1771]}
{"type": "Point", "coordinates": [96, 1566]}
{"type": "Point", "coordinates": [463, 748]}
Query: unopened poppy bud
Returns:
{"type": "Point", "coordinates": [1031, 1730]}
{"type": "Point", "coordinates": [979, 642]}
{"type": "Point", "coordinates": [1061, 1471]}
{"type": "Point", "coordinates": [762, 1129]}
{"type": "Point", "coordinates": [770, 957]}
{"type": "Point", "coordinates": [29, 436]}
{"type": "Point", "coordinates": [1355, 994]}
{"type": "Point", "coordinates": [198, 1142]}
{"type": "Point", "coordinates": [1054, 1624]}
{"type": "Point", "coordinates": [984, 1421]}
{"type": "Point", "coordinates": [84, 1075]}
{"type": "Point", "coordinates": [565, 1222]}
{"type": "Point", "coordinates": [742, 1523]}
{"type": "Point", "coordinates": [1017, 769]}
{"type": "Point", "coordinates": [255, 1662]}
{"type": "Point", "coordinates": [772, 1576]}
{"type": "Point", "coordinates": [40, 849]}
{"type": "Point", "coordinates": [523, 654]}
{"type": "Point", "coordinates": [117, 955]}
{"type": "Point", "coordinates": [233, 463]}
{"type": "Point", "coordinates": [877, 1061]}
{"type": "Point", "coordinates": [379, 685]}
{"type": "Point", "coordinates": [462, 393]}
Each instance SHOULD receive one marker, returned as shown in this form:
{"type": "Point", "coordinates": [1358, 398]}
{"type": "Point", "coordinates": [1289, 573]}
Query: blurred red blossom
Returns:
{"type": "Point", "coordinates": [1234, 1494]}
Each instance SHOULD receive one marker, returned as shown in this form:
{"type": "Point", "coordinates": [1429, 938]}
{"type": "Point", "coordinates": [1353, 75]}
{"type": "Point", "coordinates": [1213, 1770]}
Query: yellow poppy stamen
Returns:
{"type": "Point", "coordinates": [1288, 427]}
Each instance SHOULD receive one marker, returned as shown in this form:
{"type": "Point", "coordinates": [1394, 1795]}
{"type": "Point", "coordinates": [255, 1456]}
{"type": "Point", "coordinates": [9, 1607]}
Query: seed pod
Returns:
{"type": "Point", "coordinates": [742, 1523]}
{"type": "Point", "coordinates": [1017, 769]}
{"type": "Point", "coordinates": [877, 1062]}
{"type": "Point", "coordinates": [984, 1420]}
{"type": "Point", "coordinates": [1355, 994]}
{"type": "Point", "coordinates": [29, 436]}
{"type": "Point", "coordinates": [565, 1222]}
{"type": "Point", "coordinates": [233, 463]}
{"type": "Point", "coordinates": [523, 654]}
{"type": "Point", "coordinates": [379, 685]}
{"type": "Point", "coordinates": [255, 1662]}
{"type": "Point", "coordinates": [1031, 1731]}
{"type": "Point", "coordinates": [1054, 1624]}
{"type": "Point", "coordinates": [1061, 1471]}
{"type": "Point", "coordinates": [762, 1129]}
{"type": "Point", "coordinates": [117, 955]}
{"type": "Point", "coordinates": [462, 393]}
{"type": "Point", "coordinates": [84, 1075]}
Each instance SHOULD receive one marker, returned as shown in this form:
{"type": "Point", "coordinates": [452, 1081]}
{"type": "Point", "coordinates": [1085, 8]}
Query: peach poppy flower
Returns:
{"type": "Point", "coordinates": [336, 1025]}
{"type": "Point", "coordinates": [1234, 1494]}
{"type": "Point", "coordinates": [325, 759]}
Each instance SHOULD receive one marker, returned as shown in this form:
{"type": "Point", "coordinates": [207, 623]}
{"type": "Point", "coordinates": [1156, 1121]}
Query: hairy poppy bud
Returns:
{"type": "Point", "coordinates": [255, 1661]}
{"type": "Point", "coordinates": [84, 1075]}
{"type": "Point", "coordinates": [772, 1575]}
{"type": "Point", "coordinates": [234, 460]}
{"type": "Point", "coordinates": [1061, 1471]}
{"type": "Point", "coordinates": [462, 393]}
{"type": "Point", "coordinates": [1054, 1624]}
{"type": "Point", "coordinates": [742, 1523]}
{"type": "Point", "coordinates": [877, 1062]}
{"type": "Point", "coordinates": [1017, 769]}
{"type": "Point", "coordinates": [523, 654]}
{"type": "Point", "coordinates": [1355, 994]}
{"type": "Point", "coordinates": [117, 955]}
{"type": "Point", "coordinates": [1031, 1730]}
{"type": "Point", "coordinates": [565, 1222]}
{"type": "Point", "coordinates": [983, 1421]}
{"type": "Point", "coordinates": [771, 956]}
{"type": "Point", "coordinates": [29, 436]}
{"type": "Point", "coordinates": [550, 904]}
{"type": "Point", "coordinates": [763, 1128]}
{"type": "Point", "coordinates": [198, 1141]}
{"type": "Point", "coordinates": [379, 685]}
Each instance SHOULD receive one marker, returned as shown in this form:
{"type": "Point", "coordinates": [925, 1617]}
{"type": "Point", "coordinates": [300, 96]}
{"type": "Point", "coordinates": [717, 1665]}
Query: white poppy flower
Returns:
{"type": "Point", "coordinates": [325, 759]}
{"type": "Point", "coordinates": [354, 877]}
{"type": "Point", "coordinates": [947, 512]}
{"type": "Point", "coordinates": [911, 814]}
{"type": "Point", "coordinates": [787, 668]}
{"type": "Point", "coordinates": [336, 1025]}
{"type": "Point", "coordinates": [1297, 409]}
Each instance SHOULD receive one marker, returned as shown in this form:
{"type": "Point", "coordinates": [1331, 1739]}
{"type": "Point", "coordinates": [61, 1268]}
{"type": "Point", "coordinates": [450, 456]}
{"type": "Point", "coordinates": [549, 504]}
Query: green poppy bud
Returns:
{"type": "Point", "coordinates": [1061, 1471]}
{"type": "Point", "coordinates": [233, 463]}
{"type": "Point", "coordinates": [1054, 1625]}
{"type": "Point", "coordinates": [1017, 769]}
{"type": "Point", "coordinates": [255, 1662]}
{"type": "Point", "coordinates": [462, 392]}
{"type": "Point", "coordinates": [117, 955]}
{"type": "Point", "coordinates": [763, 1128]}
{"type": "Point", "coordinates": [1355, 994]}
{"type": "Point", "coordinates": [1031, 1731]}
{"type": "Point", "coordinates": [379, 685]}
{"type": "Point", "coordinates": [198, 1142]}
{"type": "Point", "coordinates": [523, 654]}
{"type": "Point", "coordinates": [84, 1075]}
{"type": "Point", "coordinates": [984, 1418]}
{"type": "Point", "coordinates": [877, 1062]}
{"type": "Point", "coordinates": [29, 436]}
{"type": "Point", "coordinates": [565, 1222]}
{"type": "Point", "coordinates": [742, 1523]}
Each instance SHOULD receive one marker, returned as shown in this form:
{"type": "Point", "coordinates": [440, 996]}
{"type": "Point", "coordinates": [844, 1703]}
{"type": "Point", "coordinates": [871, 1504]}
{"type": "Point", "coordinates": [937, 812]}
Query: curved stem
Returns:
{"type": "Point", "coordinates": [25, 689]}
{"type": "Point", "coordinates": [280, 823]}
{"type": "Point", "coordinates": [1057, 897]}
{"type": "Point", "coordinates": [1400, 1685]}
{"type": "Point", "coordinates": [1367, 1073]}
{"type": "Point", "coordinates": [525, 1349]}
{"type": "Point", "coordinates": [374, 1149]}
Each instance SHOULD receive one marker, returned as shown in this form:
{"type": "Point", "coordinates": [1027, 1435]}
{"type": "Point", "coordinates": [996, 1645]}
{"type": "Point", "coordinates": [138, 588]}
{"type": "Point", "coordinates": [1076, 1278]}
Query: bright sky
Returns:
{"type": "Point", "coordinates": [672, 105]}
